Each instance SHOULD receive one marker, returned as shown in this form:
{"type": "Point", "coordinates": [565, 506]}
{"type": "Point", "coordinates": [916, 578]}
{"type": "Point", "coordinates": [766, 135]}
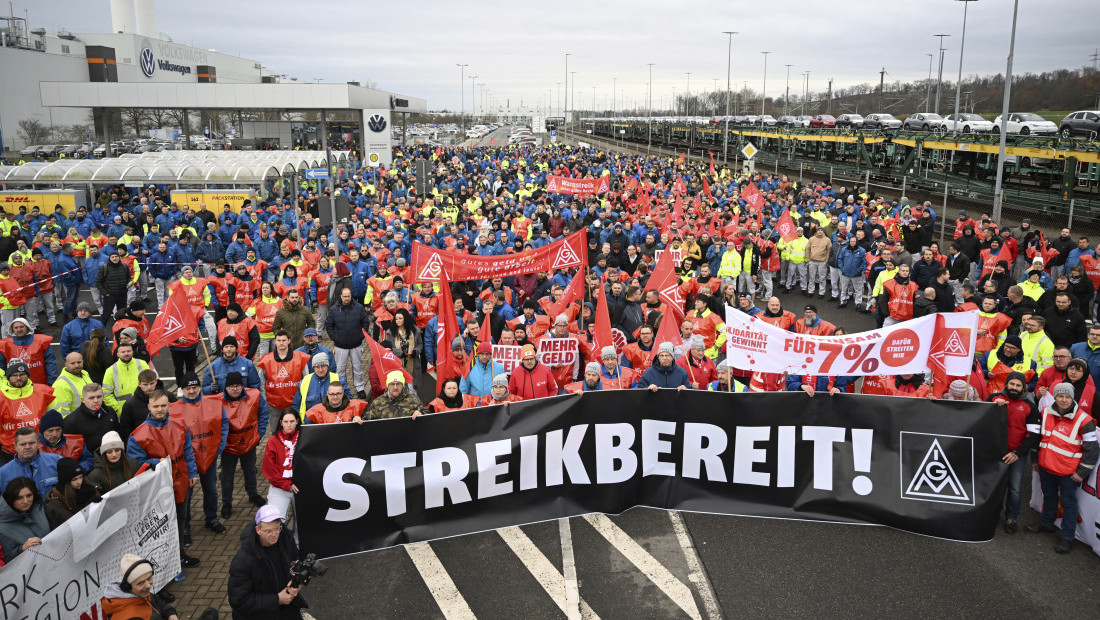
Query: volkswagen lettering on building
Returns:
{"type": "Point", "coordinates": [149, 63]}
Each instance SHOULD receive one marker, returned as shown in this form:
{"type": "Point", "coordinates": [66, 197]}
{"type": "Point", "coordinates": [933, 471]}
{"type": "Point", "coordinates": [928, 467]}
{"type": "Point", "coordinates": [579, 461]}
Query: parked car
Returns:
{"type": "Point", "coordinates": [50, 150]}
{"type": "Point", "coordinates": [823, 121]}
{"type": "Point", "coordinates": [881, 121]}
{"type": "Point", "coordinates": [965, 123]}
{"type": "Point", "coordinates": [1085, 123]}
{"type": "Point", "coordinates": [766, 121]}
{"type": "Point", "coordinates": [785, 121]}
{"type": "Point", "coordinates": [1025, 123]}
{"type": "Point", "coordinates": [923, 121]}
{"type": "Point", "coordinates": [30, 151]}
{"type": "Point", "coordinates": [854, 121]}
{"type": "Point", "coordinates": [803, 120]}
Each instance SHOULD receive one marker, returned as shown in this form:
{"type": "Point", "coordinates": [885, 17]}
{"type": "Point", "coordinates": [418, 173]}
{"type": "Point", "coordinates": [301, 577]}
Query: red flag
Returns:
{"type": "Point", "coordinates": [602, 336]}
{"type": "Point", "coordinates": [680, 186]}
{"type": "Point", "coordinates": [706, 188]}
{"type": "Point", "coordinates": [681, 159]}
{"type": "Point", "coordinates": [711, 153]}
{"type": "Point", "coordinates": [386, 360]}
{"type": "Point", "coordinates": [485, 334]}
{"type": "Point", "coordinates": [678, 210]}
{"type": "Point", "coordinates": [572, 293]}
{"type": "Point", "coordinates": [785, 226]}
{"type": "Point", "coordinates": [936, 353]}
{"type": "Point", "coordinates": [492, 141]}
{"type": "Point", "coordinates": [176, 319]}
{"type": "Point", "coordinates": [751, 195]}
{"type": "Point", "coordinates": [665, 282]}
{"type": "Point", "coordinates": [1043, 251]}
{"type": "Point", "coordinates": [439, 151]}
{"type": "Point", "coordinates": [445, 335]}
{"type": "Point", "coordinates": [667, 331]}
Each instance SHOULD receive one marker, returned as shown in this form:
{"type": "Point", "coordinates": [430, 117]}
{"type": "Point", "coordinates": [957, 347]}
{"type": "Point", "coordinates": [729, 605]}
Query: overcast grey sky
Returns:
{"type": "Point", "coordinates": [517, 49]}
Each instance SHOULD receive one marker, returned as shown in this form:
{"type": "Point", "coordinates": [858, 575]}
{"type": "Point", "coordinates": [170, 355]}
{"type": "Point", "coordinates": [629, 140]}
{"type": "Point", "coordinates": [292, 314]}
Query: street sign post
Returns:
{"type": "Point", "coordinates": [316, 173]}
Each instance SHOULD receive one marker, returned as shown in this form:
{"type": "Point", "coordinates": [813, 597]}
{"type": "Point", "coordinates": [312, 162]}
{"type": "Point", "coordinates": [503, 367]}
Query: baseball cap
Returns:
{"type": "Point", "coordinates": [267, 514]}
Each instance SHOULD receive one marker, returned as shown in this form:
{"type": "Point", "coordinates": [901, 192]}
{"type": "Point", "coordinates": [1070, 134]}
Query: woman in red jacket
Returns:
{"type": "Point", "coordinates": [278, 463]}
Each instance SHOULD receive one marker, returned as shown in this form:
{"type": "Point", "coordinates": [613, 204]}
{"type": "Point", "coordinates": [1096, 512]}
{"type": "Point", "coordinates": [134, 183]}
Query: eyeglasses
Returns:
{"type": "Point", "coordinates": [1062, 356]}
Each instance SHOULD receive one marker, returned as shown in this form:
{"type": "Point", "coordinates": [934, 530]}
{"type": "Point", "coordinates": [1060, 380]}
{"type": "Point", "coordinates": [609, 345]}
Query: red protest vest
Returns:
{"type": "Point", "coordinates": [204, 420]}
{"type": "Point", "coordinates": [993, 324]}
{"type": "Point", "coordinates": [72, 448]}
{"type": "Point", "coordinates": [167, 441]}
{"type": "Point", "coordinates": [221, 289]}
{"type": "Point", "coordinates": [783, 321]}
{"type": "Point", "coordinates": [42, 276]}
{"type": "Point", "coordinates": [901, 299]}
{"type": "Point", "coordinates": [301, 284]}
{"type": "Point", "coordinates": [244, 291]}
{"type": "Point", "coordinates": [322, 280]}
{"type": "Point", "coordinates": [265, 314]}
{"type": "Point", "coordinates": [238, 330]}
{"type": "Point", "coordinates": [282, 378]}
{"type": "Point", "coordinates": [33, 354]}
{"type": "Point", "coordinates": [627, 377]}
{"type": "Point", "coordinates": [244, 419]}
{"type": "Point", "coordinates": [876, 384]}
{"type": "Point", "coordinates": [426, 308]}
{"type": "Point", "coordinates": [766, 382]}
{"type": "Point", "coordinates": [1060, 446]}
{"type": "Point", "coordinates": [639, 358]}
{"type": "Point", "coordinates": [317, 414]}
{"type": "Point", "coordinates": [20, 412]}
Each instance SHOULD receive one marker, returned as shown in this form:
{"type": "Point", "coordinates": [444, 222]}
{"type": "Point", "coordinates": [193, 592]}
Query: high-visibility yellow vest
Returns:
{"type": "Point", "coordinates": [797, 251]}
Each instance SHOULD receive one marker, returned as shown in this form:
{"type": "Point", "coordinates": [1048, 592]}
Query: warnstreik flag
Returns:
{"type": "Point", "coordinates": [902, 348]}
{"type": "Point", "coordinates": [434, 265]}
{"type": "Point", "coordinates": [445, 364]}
{"type": "Point", "coordinates": [572, 293]}
{"type": "Point", "coordinates": [386, 360]}
{"type": "Point", "coordinates": [569, 185]}
{"type": "Point", "coordinates": [176, 319]}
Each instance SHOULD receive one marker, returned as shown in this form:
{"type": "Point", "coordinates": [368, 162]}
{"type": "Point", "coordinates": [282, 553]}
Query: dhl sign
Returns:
{"type": "Point", "coordinates": [46, 201]}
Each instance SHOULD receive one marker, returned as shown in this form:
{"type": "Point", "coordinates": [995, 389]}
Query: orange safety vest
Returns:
{"type": "Point", "coordinates": [33, 354]}
{"type": "Point", "coordinates": [238, 330]}
{"type": "Point", "coordinates": [901, 299]}
{"type": "Point", "coordinates": [469, 401]}
{"type": "Point", "coordinates": [72, 448]}
{"type": "Point", "coordinates": [283, 378]}
{"type": "Point", "coordinates": [317, 414]}
{"type": "Point", "coordinates": [488, 400]}
{"type": "Point", "coordinates": [301, 284]}
{"type": "Point", "coordinates": [265, 314]}
{"type": "Point", "coordinates": [221, 289]}
{"type": "Point", "coordinates": [426, 308]}
{"type": "Point", "coordinates": [323, 280]}
{"type": "Point", "coordinates": [626, 378]}
{"type": "Point", "coordinates": [20, 412]}
{"type": "Point", "coordinates": [1060, 446]}
{"type": "Point", "coordinates": [244, 291]}
{"type": "Point", "coordinates": [204, 420]}
{"type": "Point", "coordinates": [167, 441]}
{"type": "Point", "coordinates": [244, 420]}
{"type": "Point", "coordinates": [993, 324]}
{"type": "Point", "coordinates": [783, 321]}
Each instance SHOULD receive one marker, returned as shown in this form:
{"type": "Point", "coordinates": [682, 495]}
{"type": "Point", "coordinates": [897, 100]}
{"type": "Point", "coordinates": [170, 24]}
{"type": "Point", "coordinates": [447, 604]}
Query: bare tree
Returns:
{"type": "Point", "coordinates": [135, 118]}
{"type": "Point", "coordinates": [34, 131]}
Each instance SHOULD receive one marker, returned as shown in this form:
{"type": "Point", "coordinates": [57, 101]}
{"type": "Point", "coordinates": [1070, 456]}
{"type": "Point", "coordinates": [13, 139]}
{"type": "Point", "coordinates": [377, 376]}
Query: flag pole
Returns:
{"type": "Point", "coordinates": [202, 341]}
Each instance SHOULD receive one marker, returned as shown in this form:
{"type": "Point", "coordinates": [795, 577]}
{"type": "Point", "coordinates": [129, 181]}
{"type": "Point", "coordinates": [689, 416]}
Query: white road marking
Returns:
{"type": "Point", "coordinates": [543, 571]}
{"type": "Point", "coordinates": [650, 567]}
{"type": "Point", "coordinates": [695, 567]}
{"type": "Point", "coordinates": [569, 571]}
{"type": "Point", "coordinates": [439, 582]}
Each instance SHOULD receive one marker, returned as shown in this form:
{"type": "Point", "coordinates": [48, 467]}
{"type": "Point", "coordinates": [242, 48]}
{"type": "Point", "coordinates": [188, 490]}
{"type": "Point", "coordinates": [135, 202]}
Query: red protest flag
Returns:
{"type": "Point", "coordinates": [751, 195]}
{"type": "Point", "coordinates": [176, 319]}
{"type": "Point", "coordinates": [439, 151]}
{"type": "Point", "coordinates": [706, 189]}
{"type": "Point", "coordinates": [785, 226]}
{"type": "Point", "coordinates": [936, 363]}
{"type": "Point", "coordinates": [485, 334]}
{"type": "Point", "coordinates": [711, 153]}
{"type": "Point", "coordinates": [678, 210]}
{"type": "Point", "coordinates": [602, 336]}
{"type": "Point", "coordinates": [386, 360]}
{"type": "Point", "coordinates": [445, 366]}
{"type": "Point", "coordinates": [681, 159]}
{"type": "Point", "coordinates": [667, 285]}
{"type": "Point", "coordinates": [667, 331]}
{"type": "Point", "coordinates": [572, 293]}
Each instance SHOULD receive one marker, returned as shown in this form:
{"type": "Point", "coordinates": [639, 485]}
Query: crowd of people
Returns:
{"type": "Point", "coordinates": [288, 306]}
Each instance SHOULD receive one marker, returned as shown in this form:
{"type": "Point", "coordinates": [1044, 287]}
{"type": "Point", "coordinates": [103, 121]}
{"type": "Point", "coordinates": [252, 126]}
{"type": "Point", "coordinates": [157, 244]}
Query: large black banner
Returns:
{"type": "Point", "coordinates": [930, 467]}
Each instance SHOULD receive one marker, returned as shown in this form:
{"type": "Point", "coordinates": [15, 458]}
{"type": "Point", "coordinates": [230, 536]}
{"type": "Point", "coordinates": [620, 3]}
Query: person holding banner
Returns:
{"type": "Point", "coordinates": [532, 379]}
{"type": "Point", "coordinates": [665, 373]}
{"type": "Point", "coordinates": [700, 369]}
{"type": "Point", "coordinates": [397, 401]}
{"type": "Point", "coordinates": [336, 407]}
{"type": "Point", "coordinates": [452, 398]}
{"type": "Point", "coordinates": [1023, 437]}
{"type": "Point", "coordinates": [591, 381]}
{"type": "Point", "coordinates": [812, 384]}
{"type": "Point", "coordinates": [613, 375]}
{"type": "Point", "coordinates": [1068, 453]}
{"type": "Point", "coordinates": [724, 381]}
{"type": "Point", "coordinates": [499, 393]}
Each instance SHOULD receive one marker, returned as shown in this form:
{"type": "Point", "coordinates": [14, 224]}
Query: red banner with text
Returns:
{"type": "Point", "coordinates": [569, 185]}
{"type": "Point", "coordinates": [433, 265]}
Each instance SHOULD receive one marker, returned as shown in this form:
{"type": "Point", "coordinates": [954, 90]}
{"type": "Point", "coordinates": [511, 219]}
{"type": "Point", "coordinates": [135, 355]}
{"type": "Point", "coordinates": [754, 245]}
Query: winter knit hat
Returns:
{"type": "Point", "coordinates": [140, 570]}
{"type": "Point", "coordinates": [1063, 388]}
{"type": "Point", "coordinates": [501, 380]}
{"type": "Point", "coordinates": [111, 441]}
{"type": "Point", "coordinates": [50, 419]}
{"type": "Point", "coordinates": [665, 347]}
{"type": "Point", "coordinates": [592, 367]}
{"type": "Point", "coordinates": [67, 469]}
{"type": "Point", "coordinates": [957, 389]}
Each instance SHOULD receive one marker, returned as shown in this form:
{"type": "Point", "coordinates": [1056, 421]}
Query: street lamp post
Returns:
{"type": "Point", "coordinates": [958, 85]}
{"type": "Point", "coordinates": [726, 133]}
{"type": "Point", "coordinates": [928, 85]}
{"type": "Point", "coordinates": [998, 191]}
{"type": "Point", "coordinates": [939, 79]}
{"type": "Point", "coordinates": [462, 95]}
{"type": "Point", "coordinates": [473, 97]}
{"type": "Point", "coordinates": [649, 111]}
{"type": "Point", "coordinates": [565, 102]}
{"type": "Point", "coordinates": [687, 96]}
{"type": "Point", "coordinates": [787, 97]}
{"type": "Point", "coordinates": [805, 91]}
{"type": "Point", "coordinates": [764, 89]}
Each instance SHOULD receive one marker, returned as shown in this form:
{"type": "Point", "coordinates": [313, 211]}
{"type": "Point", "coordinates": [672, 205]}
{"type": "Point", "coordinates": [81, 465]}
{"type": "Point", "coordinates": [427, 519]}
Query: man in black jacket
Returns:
{"type": "Point", "coordinates": [1065, 324]}
{"type": "Point", "coordinates": [92, 419]}
{"type": "Point", "coordinates": [113, 280]}
{"type": "Point", "coordinates": [1064, 244]}
{"type": "Point", "coordinates": [345, 324]}
{"type": "Point", "coordinates": [259, 576]}
{"type": "Point", "coordinates": [136, 407]}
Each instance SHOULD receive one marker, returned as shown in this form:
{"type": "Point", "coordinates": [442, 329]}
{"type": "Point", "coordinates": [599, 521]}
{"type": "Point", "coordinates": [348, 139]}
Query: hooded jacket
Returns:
{"type": "Point", "coordinates": [295, 320]}
{"type": "Point", "coordinates": [119, 604]}
{"type": "Point", "coordinates": [664, 377]}
{"type": "Point", "coordinates": [17, 527]}
{"type": "Point", "coordinates": [256, 576]}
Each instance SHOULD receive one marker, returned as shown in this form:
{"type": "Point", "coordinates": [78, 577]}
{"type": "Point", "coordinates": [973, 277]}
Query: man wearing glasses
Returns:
{"type": "Point", "coordinates": [259, 577]}
{"type": "Point", "coordinates": [1055, 374]}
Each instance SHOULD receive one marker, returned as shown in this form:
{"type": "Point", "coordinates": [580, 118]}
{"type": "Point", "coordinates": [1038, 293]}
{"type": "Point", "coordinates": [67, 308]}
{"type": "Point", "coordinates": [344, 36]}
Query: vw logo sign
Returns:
{"type": "Point", "coordinates": [148, 65]}
{"type": "Point", "coordinates": [377, 123]}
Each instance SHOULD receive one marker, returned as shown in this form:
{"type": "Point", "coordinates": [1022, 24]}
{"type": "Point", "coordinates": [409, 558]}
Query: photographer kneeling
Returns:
{"type": "Point", "coordinates": [260, 584]}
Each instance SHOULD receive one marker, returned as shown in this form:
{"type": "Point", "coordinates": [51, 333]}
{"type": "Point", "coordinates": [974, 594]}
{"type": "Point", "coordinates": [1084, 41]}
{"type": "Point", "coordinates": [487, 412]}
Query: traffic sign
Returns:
{"type": "Point", "coordinates": [749, 151]}
{"type": "Point", "coordinates": [316, 173]}
{"type": "Point", "coordinates": [553, 133]}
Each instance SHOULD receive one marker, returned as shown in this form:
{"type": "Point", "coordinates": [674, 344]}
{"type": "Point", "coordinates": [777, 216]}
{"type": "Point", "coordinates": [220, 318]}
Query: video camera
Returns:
{"type": "Point", "coordinates": [305, 569]}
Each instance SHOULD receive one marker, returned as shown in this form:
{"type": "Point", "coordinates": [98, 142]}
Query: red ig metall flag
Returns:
{"type": "Point", "coordinates": [176, 319]}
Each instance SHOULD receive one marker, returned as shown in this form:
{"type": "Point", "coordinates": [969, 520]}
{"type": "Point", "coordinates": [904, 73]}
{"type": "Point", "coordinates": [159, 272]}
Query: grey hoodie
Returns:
{"type": "Point", "coordinates": [16, 528]}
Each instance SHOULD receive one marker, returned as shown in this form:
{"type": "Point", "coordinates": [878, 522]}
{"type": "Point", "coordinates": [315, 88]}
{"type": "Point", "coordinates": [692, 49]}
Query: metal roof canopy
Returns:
{"type": "Point", "coordinates": [222, 96]}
